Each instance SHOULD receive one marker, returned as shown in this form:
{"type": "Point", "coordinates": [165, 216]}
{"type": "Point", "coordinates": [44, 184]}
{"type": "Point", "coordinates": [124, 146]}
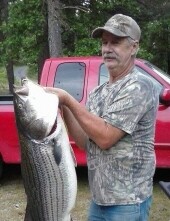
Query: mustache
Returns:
{"type": "Point", "coordinates": [109, 56]}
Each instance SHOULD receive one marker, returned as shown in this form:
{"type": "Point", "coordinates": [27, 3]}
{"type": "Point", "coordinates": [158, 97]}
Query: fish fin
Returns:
{"type": "Point", "coordinates": [57, 153]}
{"type": "Point", "coordinates": [73, 156]}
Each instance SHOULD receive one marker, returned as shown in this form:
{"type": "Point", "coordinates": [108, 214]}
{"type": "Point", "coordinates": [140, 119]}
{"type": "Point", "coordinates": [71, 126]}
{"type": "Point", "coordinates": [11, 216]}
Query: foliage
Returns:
{"type": "Point", "coordinates": [158, 40]}
{"type": "Point", "coordinates": [21, 30]}
{"type": "Point", "coordinates": [143, 53]}
{"type": "Point", "coordinates": [81, 23]}
{"type": "Point", "coordinates": [87, 47]}
{"type": "Point", "coordinates": [4, 88]}
{"type": "Point", "coordinates": [152, 16]}
{"type": "Point", "coordinates": [24, 30]}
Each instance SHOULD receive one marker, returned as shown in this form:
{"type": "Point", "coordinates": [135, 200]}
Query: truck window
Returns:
{"type": "Point", "coordinates": [156, 83]}
{"type": "Point", "coordinates": [103, 76]}
{"type": "Point", "coordinates": [70, 76]}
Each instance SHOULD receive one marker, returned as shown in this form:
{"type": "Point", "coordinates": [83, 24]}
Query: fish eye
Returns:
{"type": "Point", "coordinates": [19, 106]}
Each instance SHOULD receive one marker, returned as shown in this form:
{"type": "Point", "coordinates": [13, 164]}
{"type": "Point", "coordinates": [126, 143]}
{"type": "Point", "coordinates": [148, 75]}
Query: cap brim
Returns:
{"type": "Point", "coordinates": [97, 33]}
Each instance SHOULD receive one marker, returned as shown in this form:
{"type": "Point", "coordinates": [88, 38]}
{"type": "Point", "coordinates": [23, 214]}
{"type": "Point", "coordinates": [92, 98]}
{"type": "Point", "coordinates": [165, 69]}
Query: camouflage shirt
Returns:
{"type": "Point", "coordinates": [124, 173]}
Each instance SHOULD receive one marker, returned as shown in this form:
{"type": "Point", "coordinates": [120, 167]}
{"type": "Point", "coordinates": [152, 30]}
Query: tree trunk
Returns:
{"type": "Point", "coordinates": [44, 51]}
{"type": "Point", "coordinates": [9, 65]}
{"type": "Point", "coordinates": [44, 54]}
{"type": "Point", "coordinates": [54, 28]}
{"type": "Point", "coordinates": [168, 49]}
{"type": "Point", "coordinates": [10, 75]}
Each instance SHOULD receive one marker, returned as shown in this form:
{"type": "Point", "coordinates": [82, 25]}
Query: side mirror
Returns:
{"type": "Point", "coordinates": [165, 187]}
{"type": "Point", "coordinates": [165, 97]}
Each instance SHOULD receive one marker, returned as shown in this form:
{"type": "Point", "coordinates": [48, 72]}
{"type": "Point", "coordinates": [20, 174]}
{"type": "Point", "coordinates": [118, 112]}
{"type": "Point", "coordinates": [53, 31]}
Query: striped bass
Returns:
{"type": "Point", "coordinates": [47, 160]}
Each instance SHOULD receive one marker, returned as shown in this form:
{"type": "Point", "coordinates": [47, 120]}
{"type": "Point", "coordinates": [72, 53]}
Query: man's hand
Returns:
{"type": "Point", "coordinates": [62, 94]}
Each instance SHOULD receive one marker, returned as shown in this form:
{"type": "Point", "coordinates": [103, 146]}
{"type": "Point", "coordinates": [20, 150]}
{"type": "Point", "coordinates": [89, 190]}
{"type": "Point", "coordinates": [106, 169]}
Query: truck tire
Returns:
{"type": "Point", "coordinates": [1, 167]}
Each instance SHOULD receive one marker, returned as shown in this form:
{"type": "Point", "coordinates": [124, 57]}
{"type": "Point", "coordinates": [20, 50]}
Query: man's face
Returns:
{"type": "Point", "coordinates": [117, 52]}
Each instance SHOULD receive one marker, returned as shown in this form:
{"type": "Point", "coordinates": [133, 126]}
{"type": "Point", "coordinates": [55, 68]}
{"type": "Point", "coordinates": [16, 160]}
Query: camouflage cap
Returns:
{"type": "Point", "coordinates": [119, 25]}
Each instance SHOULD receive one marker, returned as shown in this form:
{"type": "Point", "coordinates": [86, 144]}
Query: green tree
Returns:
{"type": "Point", "coordinates": [153, 17]}
{"type": "Point", "coordinates": [82, 23]}
{"type": "Point", "coordinates": [155, 23]}
{"type": "Point", "coordinates": [8, 61]}
{"type": "Point", "coordinates": [24, 31]}
{"type": "Point", "coordinates": [35, 30]}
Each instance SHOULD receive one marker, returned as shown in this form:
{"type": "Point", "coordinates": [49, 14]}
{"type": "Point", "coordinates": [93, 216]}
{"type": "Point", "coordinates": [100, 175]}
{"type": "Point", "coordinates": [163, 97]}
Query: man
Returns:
{"type": "Point", "coordinates": [117, 128]}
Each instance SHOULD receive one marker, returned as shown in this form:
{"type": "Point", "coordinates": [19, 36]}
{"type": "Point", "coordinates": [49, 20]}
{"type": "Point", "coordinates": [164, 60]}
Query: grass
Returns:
{"type": "Point", "coordinates": [160, 210]}
{"type": "Point", "coordinates": [3, 81]}
{"type": "Point", "coordinates": [13, 200]}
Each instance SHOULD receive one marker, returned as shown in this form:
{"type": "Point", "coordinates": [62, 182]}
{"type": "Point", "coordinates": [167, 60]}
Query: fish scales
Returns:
{"type": "Point", "coordinates": [46, 178]}
{"type": "Point", "coordinates": [50, 185]}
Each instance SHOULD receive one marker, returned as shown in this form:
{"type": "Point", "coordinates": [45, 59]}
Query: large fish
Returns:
{"type": "Point", "coordinates": [47, 160]}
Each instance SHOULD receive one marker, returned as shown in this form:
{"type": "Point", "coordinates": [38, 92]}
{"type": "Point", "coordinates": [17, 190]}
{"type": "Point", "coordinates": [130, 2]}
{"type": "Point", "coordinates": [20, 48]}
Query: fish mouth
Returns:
{"type": "Point", "coordinates": [21, 90]}
{"type": "Point", "coordinates": [54, 127]}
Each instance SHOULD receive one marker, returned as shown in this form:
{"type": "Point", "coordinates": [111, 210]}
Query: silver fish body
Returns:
{"type": "Point", "coordinates": [47, 160]}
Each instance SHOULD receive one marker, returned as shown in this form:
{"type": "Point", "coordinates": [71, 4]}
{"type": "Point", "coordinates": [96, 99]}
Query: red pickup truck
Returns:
{"type": "Point", "coordinates": [79, 75]}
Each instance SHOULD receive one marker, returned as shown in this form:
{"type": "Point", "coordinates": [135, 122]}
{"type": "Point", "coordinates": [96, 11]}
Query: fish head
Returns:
{"type": "Point", "coordinates": [35, 109]}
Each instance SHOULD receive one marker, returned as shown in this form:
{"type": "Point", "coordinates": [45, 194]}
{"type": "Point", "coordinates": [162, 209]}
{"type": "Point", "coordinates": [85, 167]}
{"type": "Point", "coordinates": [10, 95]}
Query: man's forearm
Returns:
{"type": "Point", "coordinates": [103, 134]}
{"type": "Point", "coordinates": [74, 128]}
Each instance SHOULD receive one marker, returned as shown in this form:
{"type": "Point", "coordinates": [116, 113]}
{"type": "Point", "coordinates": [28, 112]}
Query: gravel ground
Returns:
{"type": "Point", "coordinates": [13, 200]}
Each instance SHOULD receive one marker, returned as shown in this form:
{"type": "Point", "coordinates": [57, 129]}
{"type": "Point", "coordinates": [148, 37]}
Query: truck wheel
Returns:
{"type": "Point", "coordinates": [1, 167]}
